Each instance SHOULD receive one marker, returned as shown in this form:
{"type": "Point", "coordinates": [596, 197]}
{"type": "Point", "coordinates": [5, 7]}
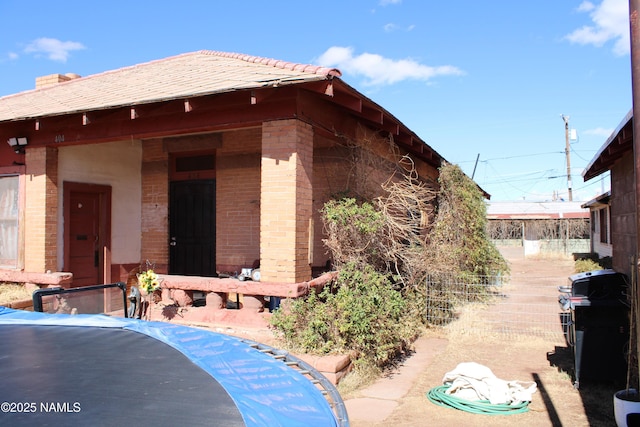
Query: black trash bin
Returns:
{"type": "Point", "coordinates": [598, 326]}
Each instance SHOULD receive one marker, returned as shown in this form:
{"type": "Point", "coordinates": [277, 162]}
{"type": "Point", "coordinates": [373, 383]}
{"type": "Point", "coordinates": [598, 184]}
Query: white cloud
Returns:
{"type": "Point", "coordinates": [12, 55]}
{"type": "Point", "coordinates": [387, 2]}
{"type": "Point", "coordinates": [586, 6]}
{"type": "Point", "coordinates": [390, 27]}
{"type": "Point", "coordinates": [379, 70]}
{"type": "Point", "coordinates": [604, 132]}
{"type": "Point", "coordinates": [610, 23]}
{"type": "Point", "coordinates": [53, 49]}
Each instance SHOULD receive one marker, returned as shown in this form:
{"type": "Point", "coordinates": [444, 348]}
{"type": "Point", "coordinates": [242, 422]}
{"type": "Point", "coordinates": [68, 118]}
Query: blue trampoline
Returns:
{"type": "Point", "coordinates": [79, 370]}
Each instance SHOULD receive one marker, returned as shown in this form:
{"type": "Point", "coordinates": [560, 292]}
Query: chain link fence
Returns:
{"type": "Point", "coordinates": [485, 305]}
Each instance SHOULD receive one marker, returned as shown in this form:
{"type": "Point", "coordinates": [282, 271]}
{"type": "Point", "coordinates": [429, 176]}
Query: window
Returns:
{"type": "Point", "coordinates": [9, 196]}
{"type": "Point", "coordinates": [604, 225]}
{"type": "Point", "coordinates": [189, 166]}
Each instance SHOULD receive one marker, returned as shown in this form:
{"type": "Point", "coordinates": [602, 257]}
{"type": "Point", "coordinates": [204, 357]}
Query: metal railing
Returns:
{"type": "Point", "coordinates": [97, 299]}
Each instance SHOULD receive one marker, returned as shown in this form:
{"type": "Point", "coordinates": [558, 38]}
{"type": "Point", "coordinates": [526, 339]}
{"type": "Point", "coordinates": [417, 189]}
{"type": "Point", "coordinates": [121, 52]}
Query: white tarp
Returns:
{"type": "Point", "coordinates": [472, 381]}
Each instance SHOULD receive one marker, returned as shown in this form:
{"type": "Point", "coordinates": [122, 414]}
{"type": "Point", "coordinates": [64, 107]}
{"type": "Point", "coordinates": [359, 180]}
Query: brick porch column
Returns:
{"type": "Point", "coordinates": [155, 204]}
{"type": "Point", "coordinates": [286, 201]}
{"type": "Point", "coordinates": [41, 210]}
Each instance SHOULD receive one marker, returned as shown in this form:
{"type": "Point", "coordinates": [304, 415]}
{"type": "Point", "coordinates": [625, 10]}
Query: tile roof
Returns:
{"type": "Point", "coordinates": [191, 74]}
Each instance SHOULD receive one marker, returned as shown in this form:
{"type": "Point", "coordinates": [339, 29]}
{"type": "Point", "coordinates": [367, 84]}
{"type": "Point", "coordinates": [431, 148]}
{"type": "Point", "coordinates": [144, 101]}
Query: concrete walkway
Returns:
{"type": "Point", "coordinates": [376, 402]}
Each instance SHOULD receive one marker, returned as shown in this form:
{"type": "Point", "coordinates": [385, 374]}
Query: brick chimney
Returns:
{"type": "Point", "coordinates": [54, 79]}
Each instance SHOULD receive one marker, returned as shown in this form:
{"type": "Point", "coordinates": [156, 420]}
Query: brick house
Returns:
{"type": "Point", "coordinates": [203, 162]}
{"type": "Point", "coordinates": [616, 156]}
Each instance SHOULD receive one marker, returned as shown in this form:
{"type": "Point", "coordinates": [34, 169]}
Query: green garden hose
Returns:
{"type": "Point", "coordinates": [438, 396]}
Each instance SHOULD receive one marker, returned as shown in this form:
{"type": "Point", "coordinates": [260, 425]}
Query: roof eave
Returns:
{"type": "Point", "coordinates": [185, 96]}
{"type": "Point", "coordinates": [617, 144]}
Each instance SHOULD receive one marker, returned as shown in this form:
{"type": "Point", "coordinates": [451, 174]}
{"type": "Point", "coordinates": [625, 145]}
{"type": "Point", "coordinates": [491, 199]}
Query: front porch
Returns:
{"type": "Point", "coordinates": [248, 299]}
{"type": "Point", "coordinates": [249, 309]}
{"type": "Point", "coordinates": [248, 320]}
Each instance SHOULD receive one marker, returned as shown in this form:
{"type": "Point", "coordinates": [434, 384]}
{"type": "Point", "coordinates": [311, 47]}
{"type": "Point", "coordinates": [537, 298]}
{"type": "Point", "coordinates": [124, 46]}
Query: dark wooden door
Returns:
{"type": "Point", "coordinates": [192, 228]}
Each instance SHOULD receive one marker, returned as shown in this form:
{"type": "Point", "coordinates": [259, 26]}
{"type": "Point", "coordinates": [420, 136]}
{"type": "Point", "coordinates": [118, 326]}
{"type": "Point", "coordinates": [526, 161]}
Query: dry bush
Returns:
{"type": "Point", "coordinates": [505, 229]}
{"type": "Point", "coordinates": [540, 229]}
{"type": "Point", "coordinates": [388, 232]}
{"type": "Point", "coordinates": [10, 292]}
{"type": "Point", "coordinates": [407, 208]}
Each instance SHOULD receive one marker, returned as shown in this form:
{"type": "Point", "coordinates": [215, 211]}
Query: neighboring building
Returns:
{"type": "Point", "coordinates": [540, 227]}
{"type": "Point", "coordinates": [203, 162]}
{"type": "Point", "coordinates": [600, 210]}
{"type": "Point", "coordinates": [616, 156]}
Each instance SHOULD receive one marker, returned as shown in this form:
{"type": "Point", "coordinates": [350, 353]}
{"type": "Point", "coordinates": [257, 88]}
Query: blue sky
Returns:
{"type": "Point", "coordinates": [475, 80]}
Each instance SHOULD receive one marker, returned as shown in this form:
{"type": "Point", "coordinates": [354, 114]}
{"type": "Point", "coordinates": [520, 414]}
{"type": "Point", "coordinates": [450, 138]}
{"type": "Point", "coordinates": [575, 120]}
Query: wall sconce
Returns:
{"type": "Point", "coordinates": [18, 144]}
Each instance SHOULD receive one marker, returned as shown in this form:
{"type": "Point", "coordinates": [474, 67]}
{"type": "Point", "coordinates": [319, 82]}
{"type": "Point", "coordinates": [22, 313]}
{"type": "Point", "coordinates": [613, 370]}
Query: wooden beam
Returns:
{"type": "Point", "coordinates": [348, 101]}
{"type": "Point", "coordinates": [323, 114]}
{"type": "Point", "coordinates": [374, 115]}
{"type": "Point", "coordinates": [153, 121]}
{"type": "Point", "coordinates": [209, 141]}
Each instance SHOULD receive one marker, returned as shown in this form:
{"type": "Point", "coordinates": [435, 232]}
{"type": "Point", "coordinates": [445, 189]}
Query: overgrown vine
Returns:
{"type": "Point", "coordinates": [384, 248]}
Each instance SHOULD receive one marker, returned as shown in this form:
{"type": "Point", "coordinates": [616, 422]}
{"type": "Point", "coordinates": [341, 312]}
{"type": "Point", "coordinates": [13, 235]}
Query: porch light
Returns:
{"type": "Point", "coordinates": [18, 144]}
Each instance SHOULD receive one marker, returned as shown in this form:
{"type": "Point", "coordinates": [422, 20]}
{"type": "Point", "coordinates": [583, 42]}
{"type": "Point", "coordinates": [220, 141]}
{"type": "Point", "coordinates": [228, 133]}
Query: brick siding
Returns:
{"type": "Point", "coordinates": [41, 210]}
{"type": "Point", "coordinates": [238, 200]}
{"type": "Point", "coordinates": [623, 214]}
{"type": "Point", "coordinates": [155, 204]}
{"type": "Point", "coordinates": [286, 200]}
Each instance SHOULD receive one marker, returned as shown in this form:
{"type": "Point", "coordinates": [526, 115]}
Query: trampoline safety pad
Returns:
{"type": "Point", "coordinates": [103, 371]}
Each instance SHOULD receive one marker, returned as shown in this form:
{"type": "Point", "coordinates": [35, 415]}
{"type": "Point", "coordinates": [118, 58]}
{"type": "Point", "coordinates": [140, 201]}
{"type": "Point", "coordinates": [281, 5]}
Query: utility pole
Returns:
{"type": "Point", "coordinates": [567, 152]}
{"type": "Point", "coordinates": [475, 166]}
{"type": "Point", "coordinates": [634, 24]}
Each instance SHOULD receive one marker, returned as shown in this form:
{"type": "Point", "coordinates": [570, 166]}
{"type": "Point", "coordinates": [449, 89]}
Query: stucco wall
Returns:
{"type": "Point", "coordinates": [105, 164]}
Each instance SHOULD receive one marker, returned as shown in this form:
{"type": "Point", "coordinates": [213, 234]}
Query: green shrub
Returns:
{"type": "Point", "coordinates": [459, 241]}
{"type": "Point", "coordinates": [360, 314]}
{"type": "Point", "coordinates": [384, 250]}
{"type": "Point", "coordinates": [354, 232]}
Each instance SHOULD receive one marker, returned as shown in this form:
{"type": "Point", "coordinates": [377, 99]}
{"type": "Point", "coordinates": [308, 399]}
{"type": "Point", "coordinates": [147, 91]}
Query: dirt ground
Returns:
{"type": "Point", "coordinates": [547, 361]}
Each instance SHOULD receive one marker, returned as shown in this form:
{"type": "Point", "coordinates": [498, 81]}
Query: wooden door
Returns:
{"type": "Point", "coordinates": [192, 228]}
{"type": "Point", "coordinates": [87, 232]}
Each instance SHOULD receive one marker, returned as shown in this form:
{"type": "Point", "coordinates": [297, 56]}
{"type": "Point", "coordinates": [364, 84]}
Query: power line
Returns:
{"type": "Point", "coordinates": [512, 157]}
{"type": "Point", "coordinates": [509, 181]}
